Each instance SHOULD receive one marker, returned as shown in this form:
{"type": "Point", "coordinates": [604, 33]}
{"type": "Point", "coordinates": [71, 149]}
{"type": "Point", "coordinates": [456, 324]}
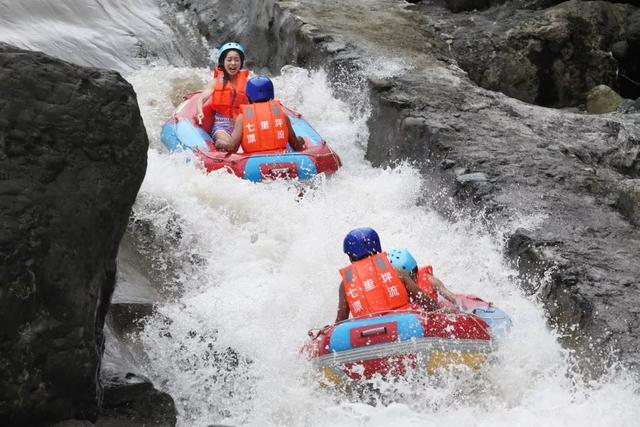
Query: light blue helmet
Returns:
{"type": "Point", "coordinates": [227, 47]}
{"type": "Point", "coordinates": [402, 258]}
{"type": "Point", "coordinates": [361, 242]}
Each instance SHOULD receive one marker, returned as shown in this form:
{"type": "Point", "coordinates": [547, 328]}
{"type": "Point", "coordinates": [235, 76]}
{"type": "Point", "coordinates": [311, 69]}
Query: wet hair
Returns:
{"type": "Point", "coordinates": [221, 59]}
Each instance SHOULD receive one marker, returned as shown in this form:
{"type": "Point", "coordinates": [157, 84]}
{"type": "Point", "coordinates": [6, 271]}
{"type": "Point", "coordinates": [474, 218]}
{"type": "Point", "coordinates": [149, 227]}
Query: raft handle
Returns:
{"type": "Point", "coordinates": [374, 331]}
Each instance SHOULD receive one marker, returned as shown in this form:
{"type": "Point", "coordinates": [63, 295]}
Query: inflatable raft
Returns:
{"type": "Point", "coordinates": [497, 320]}
{"type": "Point", "coordinates": [390, 343]}
{"type": "Point", "coordinates": [182, 132]}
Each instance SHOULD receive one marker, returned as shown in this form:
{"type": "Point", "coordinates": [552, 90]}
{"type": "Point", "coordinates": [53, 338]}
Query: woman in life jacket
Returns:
{"type": "Point", "coordinates": [227, 91]}
{"type": "Point", "coordinates": [423, 276]}
{"type": "Point", "coordinates": [262, 126]}
{"type": "Point", "coordinates": [371, 284]}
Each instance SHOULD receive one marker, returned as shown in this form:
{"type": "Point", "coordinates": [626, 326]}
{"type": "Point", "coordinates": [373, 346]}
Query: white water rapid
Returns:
{"type": "Point", "coordinates": [252, 267]}
{"type": "Point", "coordinates": [270, 273]}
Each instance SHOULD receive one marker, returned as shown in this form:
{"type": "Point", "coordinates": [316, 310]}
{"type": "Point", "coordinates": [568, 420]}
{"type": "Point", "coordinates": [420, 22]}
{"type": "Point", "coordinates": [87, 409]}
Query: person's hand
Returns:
{"type": "Point", "coordinates": [200, 116]}
{"type": "Point", "coordinates": [449, 309]}
{"type": "Point", "coordinates": [461, 305]}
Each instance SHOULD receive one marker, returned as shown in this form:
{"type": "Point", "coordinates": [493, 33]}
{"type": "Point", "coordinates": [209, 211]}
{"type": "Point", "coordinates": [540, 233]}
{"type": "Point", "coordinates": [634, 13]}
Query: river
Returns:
{"type": "Point", "coordinates": [254, 266]}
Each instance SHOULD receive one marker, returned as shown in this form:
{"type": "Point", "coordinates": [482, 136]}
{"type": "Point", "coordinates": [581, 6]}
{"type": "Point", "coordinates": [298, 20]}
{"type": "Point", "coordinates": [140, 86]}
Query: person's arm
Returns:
{"type": "Point", "coordinates": [296, 142]}
{"type": "Point", "coordinates": [236, 137]}
{"type": "Point", "coordinates": [415, 293]}
{"type": "Point", "coordinates": [204, 95]}
{"type": "Point", "coordinates": [442, 290]}
{"type": "Point", "coordinates": [343, 307]}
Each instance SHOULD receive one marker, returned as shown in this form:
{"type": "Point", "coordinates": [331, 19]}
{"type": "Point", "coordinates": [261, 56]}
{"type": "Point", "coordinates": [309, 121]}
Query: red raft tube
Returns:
{"type": "Point", "coordinates": [182, 132]}
{"type": "Point", "coordinates": [388, 344]}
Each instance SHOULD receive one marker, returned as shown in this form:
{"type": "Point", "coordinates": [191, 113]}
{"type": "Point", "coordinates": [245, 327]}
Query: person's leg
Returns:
{"type": "Point", "coordinates": [222, 130]}
{"type": "Point", "coordinates": [222, 136]}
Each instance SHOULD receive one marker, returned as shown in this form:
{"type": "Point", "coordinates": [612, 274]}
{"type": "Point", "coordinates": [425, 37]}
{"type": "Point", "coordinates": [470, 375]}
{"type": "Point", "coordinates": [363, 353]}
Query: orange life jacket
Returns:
{"type": "Point", "coordinates": [227, 98]}
{"type": "Point", "coordinates": [424, 282]}
{"type": "Point", "coordinates": [264, 127]}
{"type": "Point", "coordinates": [371, 285]}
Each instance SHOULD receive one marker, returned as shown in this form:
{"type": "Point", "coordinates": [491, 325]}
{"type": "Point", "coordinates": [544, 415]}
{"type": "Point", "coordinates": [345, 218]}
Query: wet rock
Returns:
{"type": "Point", "coordinates": [131, 400]}
{"type": "Point", "coordinates": [134, 296]}
{"type": "Point", "coordinates": [272, 39]}
{"type": "Point", "coordinates": [633, 32]}
{"type": "Point", "coordinates": [380, 84]}
{"type": "Point", "coordinates": [72, 155]}
{"type": "Point", "coordinates": [74, 423]}
{"type": "Point", "coordinates": [627, 54]}
{"type": "Point", "coordinates": [627, 106]}
{"type": "Point", "coordinates": [629, 200]}
{"type": "Point", "coordinates": [603, 99]}
{"type": "Point", "coordinates": [467, 5]}
{"type": "Point", "coordinates": [467, 178]}
{"type": "Point", "coordinates": [548, 57]}
{"type": "Point", "coordinates": [472, 186]}
{"type": "Point", "coordinates": [620, 50]}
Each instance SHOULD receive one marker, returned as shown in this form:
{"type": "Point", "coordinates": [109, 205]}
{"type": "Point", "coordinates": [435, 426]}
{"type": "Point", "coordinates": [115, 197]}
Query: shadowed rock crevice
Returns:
{"type": "Point", "coordinates": [550, 56]}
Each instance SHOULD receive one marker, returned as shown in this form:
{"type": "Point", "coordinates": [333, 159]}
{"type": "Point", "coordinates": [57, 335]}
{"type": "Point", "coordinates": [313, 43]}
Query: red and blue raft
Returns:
{"type": "Point", "coordinates": [389, 344]}
{"type": "Point", "coordinates": [182, 132]}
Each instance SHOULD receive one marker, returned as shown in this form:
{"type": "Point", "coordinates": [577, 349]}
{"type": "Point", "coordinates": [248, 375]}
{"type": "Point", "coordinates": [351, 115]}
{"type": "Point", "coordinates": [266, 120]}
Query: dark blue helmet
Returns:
{"type": "Point", "coordinates": [361, 242]}
{"type": "Point", "coordinates": [259, 89]}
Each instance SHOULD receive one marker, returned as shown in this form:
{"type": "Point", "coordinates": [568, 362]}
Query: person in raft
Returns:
{"type": "Point", "coordinates": [424, 278]}
{"type": "Point", "coordinates": [262, 125]}
{"type": "Point", "coordinates": [227, 91]}
{"type": "Point", "coordinates": [371, 284]}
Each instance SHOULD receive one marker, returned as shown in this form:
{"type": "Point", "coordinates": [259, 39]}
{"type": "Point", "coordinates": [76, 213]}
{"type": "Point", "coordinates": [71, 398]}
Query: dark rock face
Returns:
{"type": "Point", "coordinates": [72, 157]}
{"type": "Point", "coordinates": [130, 399]}
{"type": "Point", "coordinates": [271, 34]}
{"type": "Point", "coordinates": [627, 53]}
{"type": "Point", "coordinates": [577, 172]}
{"type": "Point", "coordinates": [464, 5]}
{"type": "Point", "coordinates": [507, 159]}
{"type": "Point", "coordinates": [550, 57]}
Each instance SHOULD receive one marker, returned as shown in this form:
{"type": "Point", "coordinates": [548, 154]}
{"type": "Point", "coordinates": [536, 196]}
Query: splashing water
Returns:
{"type": "Point", "coordinates": [251, 267]}
{"type": "Point", "coordinates": [227, 348]}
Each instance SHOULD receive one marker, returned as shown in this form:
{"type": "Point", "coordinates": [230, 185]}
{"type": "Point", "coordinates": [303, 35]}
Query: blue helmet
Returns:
{"type": "Point", "coordinates": [259, 89]}
{"type": "Point", "coordinates": [361, 242]}
{"type": "Point", "coordinates": [402, 258]}
{"type": "Point", "coordinates": [227, 47]}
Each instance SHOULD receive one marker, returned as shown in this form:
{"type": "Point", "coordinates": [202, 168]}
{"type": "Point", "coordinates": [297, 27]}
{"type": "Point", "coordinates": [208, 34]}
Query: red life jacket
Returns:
{"type": "Point", "coordinates": [264, 127]}
{"type": "Point", "coordinates": [424, 282]}
{"type": "Point", "coordinates": [227, 98]}
{"type": "Point", "coordinates": [371, 285]}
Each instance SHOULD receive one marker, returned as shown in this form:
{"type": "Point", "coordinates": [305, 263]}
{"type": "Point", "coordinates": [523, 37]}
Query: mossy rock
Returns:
{"type": "Point", "coordinates": [603, 99]}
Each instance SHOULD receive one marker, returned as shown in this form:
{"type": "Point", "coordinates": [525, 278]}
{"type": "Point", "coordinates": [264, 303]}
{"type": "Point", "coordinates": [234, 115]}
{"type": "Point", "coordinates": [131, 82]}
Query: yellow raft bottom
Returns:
{"type": "Point", "coordinates": [438, 359]}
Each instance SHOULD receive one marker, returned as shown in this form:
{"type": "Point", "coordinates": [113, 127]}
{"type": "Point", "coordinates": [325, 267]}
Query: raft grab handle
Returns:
{"type": "Point", "coordinates": [373, 331]}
